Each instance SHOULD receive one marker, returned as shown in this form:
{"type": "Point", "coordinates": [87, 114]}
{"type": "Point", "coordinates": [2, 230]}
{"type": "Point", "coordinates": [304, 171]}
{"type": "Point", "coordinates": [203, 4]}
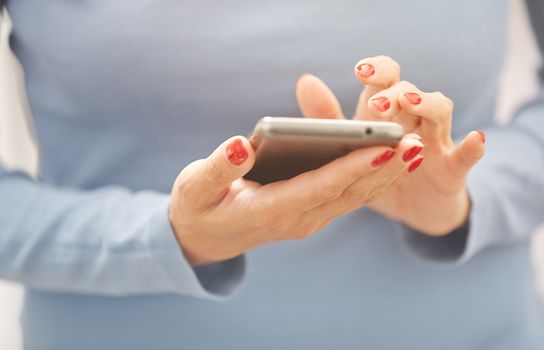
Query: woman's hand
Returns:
{"type": "Point", "coordinates": [217, 215]}
{"type": "Point", "coordinates": [434, 199]}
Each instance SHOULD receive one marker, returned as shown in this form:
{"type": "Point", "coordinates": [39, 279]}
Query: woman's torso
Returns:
{"type": "Point", "coordinates": [131, 92]}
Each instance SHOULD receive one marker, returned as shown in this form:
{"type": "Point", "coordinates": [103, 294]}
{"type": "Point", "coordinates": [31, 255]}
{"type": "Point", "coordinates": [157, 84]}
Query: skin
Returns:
{"type": "Point", "coordinates": [434, 199]}
{"type": "Point", "coordinates": [217, 215]}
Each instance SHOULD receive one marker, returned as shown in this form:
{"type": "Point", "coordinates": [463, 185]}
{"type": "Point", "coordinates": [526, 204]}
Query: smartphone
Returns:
{"type": "Point", "coordinates": [286, 147]}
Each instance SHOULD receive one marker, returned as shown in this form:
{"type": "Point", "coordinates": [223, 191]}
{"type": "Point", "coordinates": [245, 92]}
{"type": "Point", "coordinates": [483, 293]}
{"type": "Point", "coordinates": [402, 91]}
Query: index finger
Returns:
{"type": "Point", "coordinates": [376, 73]}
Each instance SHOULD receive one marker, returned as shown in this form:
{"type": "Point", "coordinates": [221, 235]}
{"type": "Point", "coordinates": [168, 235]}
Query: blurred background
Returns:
{"type": "Point", "coordinates": [18, 149]}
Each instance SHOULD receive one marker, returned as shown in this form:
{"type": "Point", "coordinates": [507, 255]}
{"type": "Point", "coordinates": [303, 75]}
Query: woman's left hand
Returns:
{"type": "Point", "coordinates": [433, 200]}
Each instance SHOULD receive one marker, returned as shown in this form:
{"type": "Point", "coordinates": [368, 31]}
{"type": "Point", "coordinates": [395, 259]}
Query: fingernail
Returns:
{"type": "Point", "coordinates": [384, 157]}
{"type": "Point", "coordinates": [382, 103]}
{"type": "Point", "coordinates": [413, 97]}
{"type": "Point", "coordinates": [411, 153]}
{"type": "Point", "coordinates": [482, 135]}
{"type": "Point", "coordinates": [365, 70]}
{"type": "Point", "coordinates": [415, 164]}
{"type": "Point", "coordinates": [236, 152]}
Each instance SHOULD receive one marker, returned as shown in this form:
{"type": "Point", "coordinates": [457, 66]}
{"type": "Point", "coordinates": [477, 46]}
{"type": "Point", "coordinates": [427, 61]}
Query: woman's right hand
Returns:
{"type": "Point", "coordinates": [217, 215]}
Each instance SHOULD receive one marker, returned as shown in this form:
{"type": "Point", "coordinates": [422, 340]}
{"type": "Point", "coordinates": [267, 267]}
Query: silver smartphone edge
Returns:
{"type": "Point", "coordinates": [324, 128]}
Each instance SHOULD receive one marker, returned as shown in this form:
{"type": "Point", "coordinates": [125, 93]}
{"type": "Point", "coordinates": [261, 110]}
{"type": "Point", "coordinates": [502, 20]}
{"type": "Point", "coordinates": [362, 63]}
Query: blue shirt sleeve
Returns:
{"type": "Point", "coordinates": [108, 241]}
{"type": "Point", "coordinates": [506, 187]}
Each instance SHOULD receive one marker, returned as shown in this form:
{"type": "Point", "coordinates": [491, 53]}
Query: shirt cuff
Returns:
{"type": "Point", "coordinates": [456, 247]}
{"type": "Point", "coordinates": [217, 281]}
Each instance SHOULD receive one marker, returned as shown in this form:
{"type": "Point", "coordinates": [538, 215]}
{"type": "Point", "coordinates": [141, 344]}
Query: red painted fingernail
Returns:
{"type": "Point", "coordinates": [382, 103]}
{"type": "Point", "coordinates": [365, 70]}
{"type": "Point", "coordinates": [413, 97]}
{"type": "Point", "coordinates": [482, 135]}
{"type": "Point", "coordinates": [411, 153]}
{"type": "Point", "coordinates": [236, 152]}
{"type": "Point", "coordinates": [415, 164]}
{"type": "Point", "coordinates": [384, 157]}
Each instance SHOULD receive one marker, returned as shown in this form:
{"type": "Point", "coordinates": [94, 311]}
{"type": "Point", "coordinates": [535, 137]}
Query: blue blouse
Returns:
{"type": "Point", "coordinates": [124, 94]}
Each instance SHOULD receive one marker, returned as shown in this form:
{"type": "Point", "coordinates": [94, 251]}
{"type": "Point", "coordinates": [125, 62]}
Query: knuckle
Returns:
{"type": "Point", "coordinates": [214, 170]}
{"type": "Point", "coordinates": [328, 193]}
{"type": "Point", "coordinates": [359, 198]}
{"type": "Point", "coordinates": [357, 172]}
{"type": "Point", "coordinates": [374, 194]}
{"type": "Point", "coordinates": [439, 95]}
{"type": "Point", "coordinates": [445, 102]}
{"type": "Point", "coordinates": [353, 198]}
{"type": "Point", "coordinates": [406, 85]}
{"type": "Point", "coordinates": [275, 225]}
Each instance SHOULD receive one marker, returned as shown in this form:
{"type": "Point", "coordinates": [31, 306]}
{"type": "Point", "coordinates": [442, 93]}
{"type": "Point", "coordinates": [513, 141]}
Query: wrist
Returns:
{"type": "Point", "coordinates": [192, 257]}
{"type": "Point", "coordinates": [460, 215]}
{"type": "Point", "coordinates": [200, 247]}
{"type": "Point", "coordinates": [447, 215]}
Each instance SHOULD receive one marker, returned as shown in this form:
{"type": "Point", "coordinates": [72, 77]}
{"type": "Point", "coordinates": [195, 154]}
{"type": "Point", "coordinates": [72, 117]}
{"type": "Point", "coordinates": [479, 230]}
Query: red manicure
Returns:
{"type": "Point", "coordinates": [384, 157]}
{"type": "Point", "coordinates": [413, 97]}
{"type": "Point", "coordinates": [236, 152]}
{"type": "Point", "coordinates": [365, 70]}
{"type": "Point", "coordinates": [411, 153]}
{"type": "Point", "coordinates": [415, 164]}
{"type": "Point", "coordinates": [482, 135]}
{"type": "Point", "coordinates": [382, 103]}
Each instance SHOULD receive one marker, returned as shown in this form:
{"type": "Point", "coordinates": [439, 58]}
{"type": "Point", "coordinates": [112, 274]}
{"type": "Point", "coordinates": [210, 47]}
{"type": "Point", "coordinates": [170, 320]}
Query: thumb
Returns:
{"type": "Point", "coordinates": [316, 100]}
{"type": "Point", "coordinates": [207, 181]}
{"type": "Point", "coordinates": [469, 152]}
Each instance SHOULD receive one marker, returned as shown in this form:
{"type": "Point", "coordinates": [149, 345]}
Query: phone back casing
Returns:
{"type": "Point", "coordinates": [287, 147]}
